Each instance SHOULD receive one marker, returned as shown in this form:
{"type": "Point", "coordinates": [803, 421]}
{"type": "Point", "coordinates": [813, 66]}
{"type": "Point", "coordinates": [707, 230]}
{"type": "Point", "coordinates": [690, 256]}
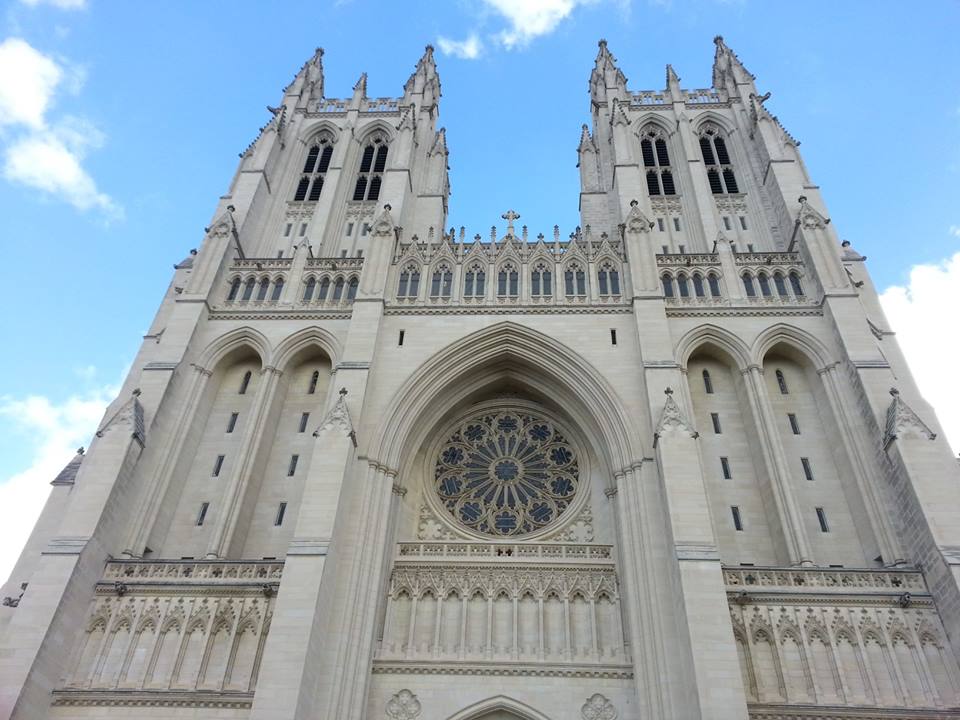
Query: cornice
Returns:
{"type": "Point", "coordinates": [512, 310]}
{"type": "Point", "coordinates": [152, 698]}
{"type": "Point", "coordinates": [611, 672]}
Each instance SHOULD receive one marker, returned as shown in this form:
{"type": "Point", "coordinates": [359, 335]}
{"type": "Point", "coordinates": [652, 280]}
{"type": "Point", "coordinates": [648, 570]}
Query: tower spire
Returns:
{"type": "Point", "coordinates": [728, 71]}
{"type": "Point", "coordinates": [673, 83]}
{"type": "Point", "coordinates": [307, 84]}
{"type": "Point", "coordinates": [424, 82]}
{"type": "Point", "coordinates": [606, 81]}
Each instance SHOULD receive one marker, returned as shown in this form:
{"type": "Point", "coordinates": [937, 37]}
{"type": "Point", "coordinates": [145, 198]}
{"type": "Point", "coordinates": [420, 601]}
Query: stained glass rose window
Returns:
{"type": "Point", "coordinates": [506, 474]}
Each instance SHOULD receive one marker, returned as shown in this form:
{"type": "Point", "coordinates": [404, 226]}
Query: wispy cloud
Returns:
{"type": "Point", "coordinates": [468, 49]}
{"type": "Point", "coordinates": [40, 153]}
{"type": "Point", "coordinates": [60, 4]}
{"type": "Point", "coordinates": [525, 20]}
{"type": "Point", "coordinates": [53, 431]}
{"type": "Point", "coordinates": [918, 313]}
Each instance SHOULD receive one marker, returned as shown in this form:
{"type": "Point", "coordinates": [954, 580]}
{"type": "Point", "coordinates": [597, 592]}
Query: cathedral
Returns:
{"type": "Point", "coordinates": [667, 465]}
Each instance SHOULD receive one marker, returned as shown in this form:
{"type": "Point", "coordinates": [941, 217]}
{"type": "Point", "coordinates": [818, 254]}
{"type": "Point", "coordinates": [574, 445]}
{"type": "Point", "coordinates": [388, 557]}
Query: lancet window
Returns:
{"type": "Point", "coordinates": [715, 156]}
{"type": "Point", "coordinates": [473, 282]}
{"type": "Point", "coordinates": [608, 278]}
{"type": "Point", "coordinates": [442, 282]}
{"type": "Point", "coordinates": [315, 169]}
{"type": "Point", "coordinates": [409, 285]}
{"type": "Point", "coordinates": [508, 281]}
{"type": "Point", "coordinates": [541, 281]}
{"type": "Point", "coordinates": [373, 162]}
{"type": "Point", "coordinates": [575, 280]}
{"type": "Point", "coordinates": [656, 160]}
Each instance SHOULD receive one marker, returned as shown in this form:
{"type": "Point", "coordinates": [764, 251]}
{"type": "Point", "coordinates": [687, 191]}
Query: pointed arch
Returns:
{"type": "Point", "coordinates": [318, 130]}
{"type": "Point", "coordinates": [242, 337]}
{"type": "Point", "coordinates": [498, 702]}
{"type": "Point", "coordinates": [802, 342]}
{"type": "Point", "coordinates": [293, 345]}
{"type": "Point", "coordinates": [507, 350]}
{"type": "Point", "coordinates": [712, 335]}
{"type": "Point", "coordinates": [370, 129]}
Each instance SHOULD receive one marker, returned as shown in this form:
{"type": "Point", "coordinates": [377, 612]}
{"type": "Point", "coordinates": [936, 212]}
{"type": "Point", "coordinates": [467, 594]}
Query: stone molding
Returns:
{"type": "Point", "coordinates": [147, 698]}
{"type": "Point", "coordinates": [502, 669]}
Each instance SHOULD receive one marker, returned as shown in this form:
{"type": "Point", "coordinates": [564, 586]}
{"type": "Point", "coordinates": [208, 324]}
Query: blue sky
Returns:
{"type": "Point", "coordinates": [120, 125]}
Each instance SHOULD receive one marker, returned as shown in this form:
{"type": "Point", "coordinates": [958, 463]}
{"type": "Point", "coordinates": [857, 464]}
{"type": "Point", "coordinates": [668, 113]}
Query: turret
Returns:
{"type": "Point", "coordinates": [606, 81]}
{"type": "Point", "coordinates": [729, 73]}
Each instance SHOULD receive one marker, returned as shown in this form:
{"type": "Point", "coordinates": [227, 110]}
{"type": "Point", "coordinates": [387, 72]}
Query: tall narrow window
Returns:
{"type": "Point", "coordinates": [682, 285]}
{"type": "Point", "coordinates": [202, 514]}
{"type": "Point", "coordinates": [304, 419]}
{"type": "Point", "coordinates": [794, 425]}
{"type": "Point", "coordinates": [807, 468]}
{"type": "Point", "coordinates": [248, 289]}
{"type": "Point", "coordinates": [508, 281]}
{"type": "Point", "coordinates": [779, 284]}
{"type": "Point", "coordinates": [795, 284]}
{"type": "Point", "coordinates": [715, 421]}
{"type": "Point", "coordinates": [653, 148]}
{"type": "Point", "coordinates": [292, 467]}
{"type": "Point", "coordinates": [245, 383]}
{"type": "Point", "coordinates": [338, 290]}
{"type": "Point", "coordinates": [473, 283]}
{"type": "Point", "coordinates": [262, 291]}
{"type": "Point", "coordinates": [575, 281]}
{"type": "Point", "coordinates": [737, 520]}
{"type": "Point", "coordinates": [764, 284]}
{"type": "Point", "coordinates": [748, 285]}
{"type": "Point", "coordinates": [822, 519]}
{"type": "Point", "coordinates": [442, 282]}
{"type": "Point", "coordinates": [608, 279]}
{"type": "Point", "coordinates": [314, 379]}
{"type": "Point", "coordinates": [352, 288]}
{"type": "Point", "coordinates": [725, 468]}
{"type": "Point", "coordinates": [782, 383]}
{"type": "Point", "coordinates": [281, 511]}
{"type": "Point", "coordinates": [232, 422]}
{"type": "Point", "coordinates": [667, 285]}
{"type": "Point", "coordinates": [409, 285]}
{"type": "Point", "coordinates": [707, 382]}
{"type": "Point", "coordinates": [234, 290]}
{"type": "Point", "coordinates": [315, 169]}
{"type": "Point", "coordinates": [277, 289]}
{"type": "Point", "coordinates": [720, 172]}
{"type": "Point", "coordinates": [714, 284]}
{"type": "Point", "coordinates": [698, 285]}
{"type": "Point", "coordinates": [541, 282]}
{"type": "Point", "coordinates": [217, 466]}
{"type": "Point", "coordinates": [373, 162]}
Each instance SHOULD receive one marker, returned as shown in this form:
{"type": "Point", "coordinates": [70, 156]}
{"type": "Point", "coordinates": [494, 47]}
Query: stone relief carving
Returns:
{"type": "Point", "coordinates": [403, 706]}
{"type": "Point", "coordinates": [338, 418]}
{"type": "Point", "coordinates": [430, 528]}
{"type": "Point", "coordinates": [581, 530]}
{"type": "Point", "coordinates": [598, 707]}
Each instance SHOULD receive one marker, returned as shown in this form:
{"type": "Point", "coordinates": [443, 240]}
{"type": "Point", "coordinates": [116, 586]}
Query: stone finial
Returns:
{"type": "Point", "coordinates": [636, 221]}
{"type": "Point", "coordinates": [672, 419]}
{"type": "Point", "coordinates": [510, 216]}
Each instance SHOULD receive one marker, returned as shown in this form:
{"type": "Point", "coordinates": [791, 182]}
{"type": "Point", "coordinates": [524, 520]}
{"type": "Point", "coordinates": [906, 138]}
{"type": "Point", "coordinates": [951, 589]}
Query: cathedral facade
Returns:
{"type": "Point", "coordinates": [668, 466]}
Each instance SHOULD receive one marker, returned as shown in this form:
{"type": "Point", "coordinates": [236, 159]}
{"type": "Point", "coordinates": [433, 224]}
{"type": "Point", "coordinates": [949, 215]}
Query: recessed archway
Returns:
{"type": "Point", "coordinates": [500, 707]}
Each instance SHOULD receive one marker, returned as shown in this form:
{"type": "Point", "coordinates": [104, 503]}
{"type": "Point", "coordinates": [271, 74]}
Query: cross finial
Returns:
{"type": "Point", "coordinates": [668, 391]}
{"type": "Point", "coordinates": [510, 216]}
{"type": "Point", "coordinates": [343, 392]}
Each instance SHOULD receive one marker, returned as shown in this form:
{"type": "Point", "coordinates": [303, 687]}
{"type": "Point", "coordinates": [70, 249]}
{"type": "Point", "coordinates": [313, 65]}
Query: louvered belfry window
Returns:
{"type": "Point", "coordinates": [715, 156]}
{"type": "Point", "coordinates": [373, 163]}
{"type": "Point", "coordinates": [656, 160]}
{"type": "Point", "coordinates": [314, 170]}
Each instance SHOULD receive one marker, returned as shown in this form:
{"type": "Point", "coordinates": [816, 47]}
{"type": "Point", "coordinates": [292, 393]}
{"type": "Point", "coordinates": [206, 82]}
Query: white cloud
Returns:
{"type": "Point", "coordinates": [44, 155]}
{"type": "Point", "coordinates": [28, 79]}
{"type": "Point", "coordinates": [921, 314]}
{"type": "Point", "coordinates": [54, 431]}
{"type": "Point", "coordinates": [60, 4]}
{"type": "Point", "coordinates": [954, 230]}
{"type": "Point", "coordinates": [531, 18]}
{"type": "Point", "coordinates": [468, 49]}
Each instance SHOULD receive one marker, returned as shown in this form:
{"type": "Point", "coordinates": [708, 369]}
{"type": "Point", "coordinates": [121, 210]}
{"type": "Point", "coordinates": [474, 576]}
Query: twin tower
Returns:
{"type": "Point", "coordinates": [669, 465]}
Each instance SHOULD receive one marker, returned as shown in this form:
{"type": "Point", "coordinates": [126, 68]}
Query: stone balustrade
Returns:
{"type": "Point", "coordinates": [505, 552]}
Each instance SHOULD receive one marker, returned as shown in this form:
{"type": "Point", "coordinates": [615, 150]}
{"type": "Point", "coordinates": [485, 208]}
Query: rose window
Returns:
{"type": "Point", "coordinates": [506, 474]}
